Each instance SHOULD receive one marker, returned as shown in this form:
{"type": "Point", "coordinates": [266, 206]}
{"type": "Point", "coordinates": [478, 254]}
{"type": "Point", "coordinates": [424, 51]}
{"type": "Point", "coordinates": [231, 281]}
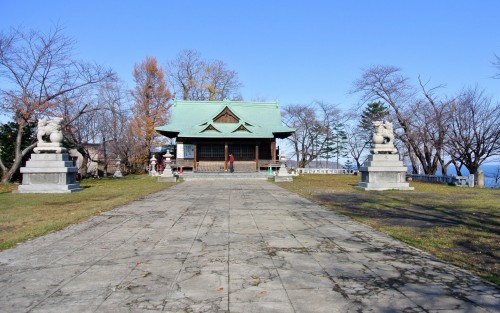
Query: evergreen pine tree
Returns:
{"type": "Point", "coordinates": [374, 111]}
{"type": "Point", "coordinates": [328, 150]}
{"type": "Point", "coordinates": [335, 144]}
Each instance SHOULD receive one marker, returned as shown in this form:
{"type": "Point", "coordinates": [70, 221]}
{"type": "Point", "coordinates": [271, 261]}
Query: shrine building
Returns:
{"type": "Point", "coordinates": [206, 132]}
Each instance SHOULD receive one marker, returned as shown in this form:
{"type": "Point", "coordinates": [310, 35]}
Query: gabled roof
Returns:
{"type": "Point", "coordinates": [225, 119]}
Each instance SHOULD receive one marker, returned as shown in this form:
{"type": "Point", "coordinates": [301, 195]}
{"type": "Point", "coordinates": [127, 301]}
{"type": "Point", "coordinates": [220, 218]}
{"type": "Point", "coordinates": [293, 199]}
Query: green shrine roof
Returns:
{"type": "Point", "coordinates": [225, 119]}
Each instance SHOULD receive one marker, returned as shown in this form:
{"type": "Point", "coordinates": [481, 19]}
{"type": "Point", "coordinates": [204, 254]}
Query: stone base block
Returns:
{"type": "Point", "coordinates": [383, 172]}
{"type": "Point", "coordinates": [49, 173]}
{"type": "Point", "coordinates": [283, 179]}
{"type": "Point", "coordinates": [385, 186]}
{"type": "Point", "coordinates": [172, 179]}
{"type": "Point", "coordinates": [55, 176]}
{"type": "Point", "coordinates": [50, 148]}
{"type": "Point", "coordinates": [383, 149]}
{"type": "Point", "coordinates": [49, 188]}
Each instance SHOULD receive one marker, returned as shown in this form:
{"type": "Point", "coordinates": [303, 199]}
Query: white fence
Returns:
{"type": "Point", "coordinates": [326, 171]}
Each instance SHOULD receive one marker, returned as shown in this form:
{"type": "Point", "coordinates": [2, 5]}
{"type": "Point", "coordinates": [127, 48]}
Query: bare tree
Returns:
{"type": "Point", "coordinates": [83, 128]}
{"type": "Point", "coordinates": [184, 72]}
{"type": "Point", "coordinates": [311, 123]}
{"type": "Point", "coordinates": [38, 70]}
{"type": "Point", "coordinates": [421, 121]}
{"type": "Point", "coordinates": [102, 129]}
{"type": "Point", "coordinates": [117, 119]}
{"type": "Point", "coordinates": [219, 82]}
{"type": "Point", "coordinates": [496, 63]}
{"type": "Point", "coordinates": [435, 117]}
{"type": "Point", "coordinates": [357, 142]}
{"type": "Point", "coordinates": [496, 178]}
{"type": "Point", "coordinates": [474, 135]}
{"type": "Point", "coordinates": [198, 79]}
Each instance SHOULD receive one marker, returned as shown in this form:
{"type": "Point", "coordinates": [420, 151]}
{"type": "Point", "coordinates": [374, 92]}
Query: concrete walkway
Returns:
{"type": "Point", "coordinates": [230, 246]}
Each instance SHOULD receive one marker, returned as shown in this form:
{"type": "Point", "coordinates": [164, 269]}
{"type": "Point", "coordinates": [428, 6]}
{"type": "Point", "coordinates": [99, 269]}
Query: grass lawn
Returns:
{"type": "Point", "coordinates": [25, 216]}
{"type": "Point", "coordinates": [458, 225]}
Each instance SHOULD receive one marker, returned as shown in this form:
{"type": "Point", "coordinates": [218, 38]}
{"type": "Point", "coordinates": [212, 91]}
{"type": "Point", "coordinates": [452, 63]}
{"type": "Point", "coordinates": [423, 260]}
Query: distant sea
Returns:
{"type": "Point", "coordinates": [490, 172]}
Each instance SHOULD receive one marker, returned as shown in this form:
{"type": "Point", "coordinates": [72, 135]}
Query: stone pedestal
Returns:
{"type": "Point", "coordinates": [383, 148]}
{"type": "Point", "coordinates": [171, 179]}
{"type": "Point", "coordinates": [49, 173]}
{"type": "Point", "coordinates": [167, 176]}
{"type": "Point", "coordinates": [383, 172]}
{"type": "Point", "coordinates": [283, 175]}
{"type": "Point", "coordinates": [118, 173]}
{"type": "Point", "coordinates": [153, 171]}
{"type": "Point", "coordinates": [480, 179]}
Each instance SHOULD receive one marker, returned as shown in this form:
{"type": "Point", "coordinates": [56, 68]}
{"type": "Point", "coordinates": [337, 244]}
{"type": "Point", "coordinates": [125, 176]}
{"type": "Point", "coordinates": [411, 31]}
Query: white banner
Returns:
{"type": "Point", "coordinates": [185, 151]}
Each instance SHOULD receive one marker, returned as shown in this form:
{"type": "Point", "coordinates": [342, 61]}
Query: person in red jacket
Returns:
{"type": "Point", "coordinates": [231, 163]}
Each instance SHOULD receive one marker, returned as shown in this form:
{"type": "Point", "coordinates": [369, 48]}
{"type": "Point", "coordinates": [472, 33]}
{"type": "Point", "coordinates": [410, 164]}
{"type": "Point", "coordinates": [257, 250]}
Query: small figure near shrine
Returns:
{"type": "Point", "coordinates": [231, 163]}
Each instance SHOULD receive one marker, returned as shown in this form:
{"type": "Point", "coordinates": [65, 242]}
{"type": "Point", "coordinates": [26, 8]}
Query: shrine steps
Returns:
{"type": "Point", "coordinates": [225, 176]}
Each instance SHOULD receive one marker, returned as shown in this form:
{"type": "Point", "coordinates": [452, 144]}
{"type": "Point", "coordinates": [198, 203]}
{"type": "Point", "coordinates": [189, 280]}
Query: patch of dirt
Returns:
{"type": "Point", "coordinates": [6, 228]}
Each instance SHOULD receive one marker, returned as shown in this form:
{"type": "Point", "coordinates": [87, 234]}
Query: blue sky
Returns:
{"type": "Point", "coordinates": [290, 51]}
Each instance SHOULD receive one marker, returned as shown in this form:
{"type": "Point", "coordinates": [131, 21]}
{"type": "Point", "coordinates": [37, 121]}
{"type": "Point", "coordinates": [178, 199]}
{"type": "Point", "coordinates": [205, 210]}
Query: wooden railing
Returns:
{"type": "Point", "coordinates": [182, 163]}
{"type": "Point", "coordinates": [210, 167]}
{"type": "Point", "coordinates": [218, 166]}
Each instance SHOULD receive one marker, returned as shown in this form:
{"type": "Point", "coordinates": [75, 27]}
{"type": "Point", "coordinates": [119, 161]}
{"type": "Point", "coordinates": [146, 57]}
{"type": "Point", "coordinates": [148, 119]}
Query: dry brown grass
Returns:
{"type": "Point", "coordinates": [26, 216]}
{"type": "Point", "coordinates": [459, 225]}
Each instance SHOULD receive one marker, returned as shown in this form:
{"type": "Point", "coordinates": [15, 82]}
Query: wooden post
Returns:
{"type": "Point", "coordinates": [226, 156]}
{"type": "Point", "coordinates": [273, 150]}
{"type": "Point", "coordinates": [257, 157]}
{"type": "Point", "coordinates": [195, 160]}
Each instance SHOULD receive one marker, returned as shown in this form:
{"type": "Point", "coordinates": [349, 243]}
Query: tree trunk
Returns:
{"type": "Point", "coordinates": [457, 167]}
{"type": "Point", "coordinates": [357, 163]}
{"type": "Point", "coordinates": [6, 177]}
{"type": "Point", "coordinates": [85, 161]}
{"type": "Point", "coordinates": [473, 168]}
{"type": "Point", "coordinates": [444, 168]}
{"type": "Point", "coordinates": [414, 162]}
{"type": "Point", "coordinates": [18, 156]}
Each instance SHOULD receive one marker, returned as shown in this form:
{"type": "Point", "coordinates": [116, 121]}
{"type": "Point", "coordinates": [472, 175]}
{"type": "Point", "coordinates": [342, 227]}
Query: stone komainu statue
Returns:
{"type": "Point", "coordinates": [50, 136]}
{"type": "Point", "coordinates": [382, 169]}
{"type": "Point", "coordinates": [50, 169]}
{"type": "Point", "coordinates": [383, 138]}
{"type": "Point", "coordinates": [49, 130]}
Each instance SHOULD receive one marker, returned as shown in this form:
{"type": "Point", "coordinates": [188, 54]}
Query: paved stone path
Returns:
{"type": "Point", "coordinates": [230, 246]}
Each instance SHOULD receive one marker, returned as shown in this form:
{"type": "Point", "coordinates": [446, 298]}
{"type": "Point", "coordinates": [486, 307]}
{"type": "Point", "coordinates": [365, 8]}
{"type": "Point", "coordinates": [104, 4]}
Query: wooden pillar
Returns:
{"type": "Point", "coordinates": [195, 160]}
{"type": "Point", "coordinates": [257, 157]}
{"type": "Point", "coordinates": [273, 150]}
{"type": "Point", "coordinates": [226, 156]}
